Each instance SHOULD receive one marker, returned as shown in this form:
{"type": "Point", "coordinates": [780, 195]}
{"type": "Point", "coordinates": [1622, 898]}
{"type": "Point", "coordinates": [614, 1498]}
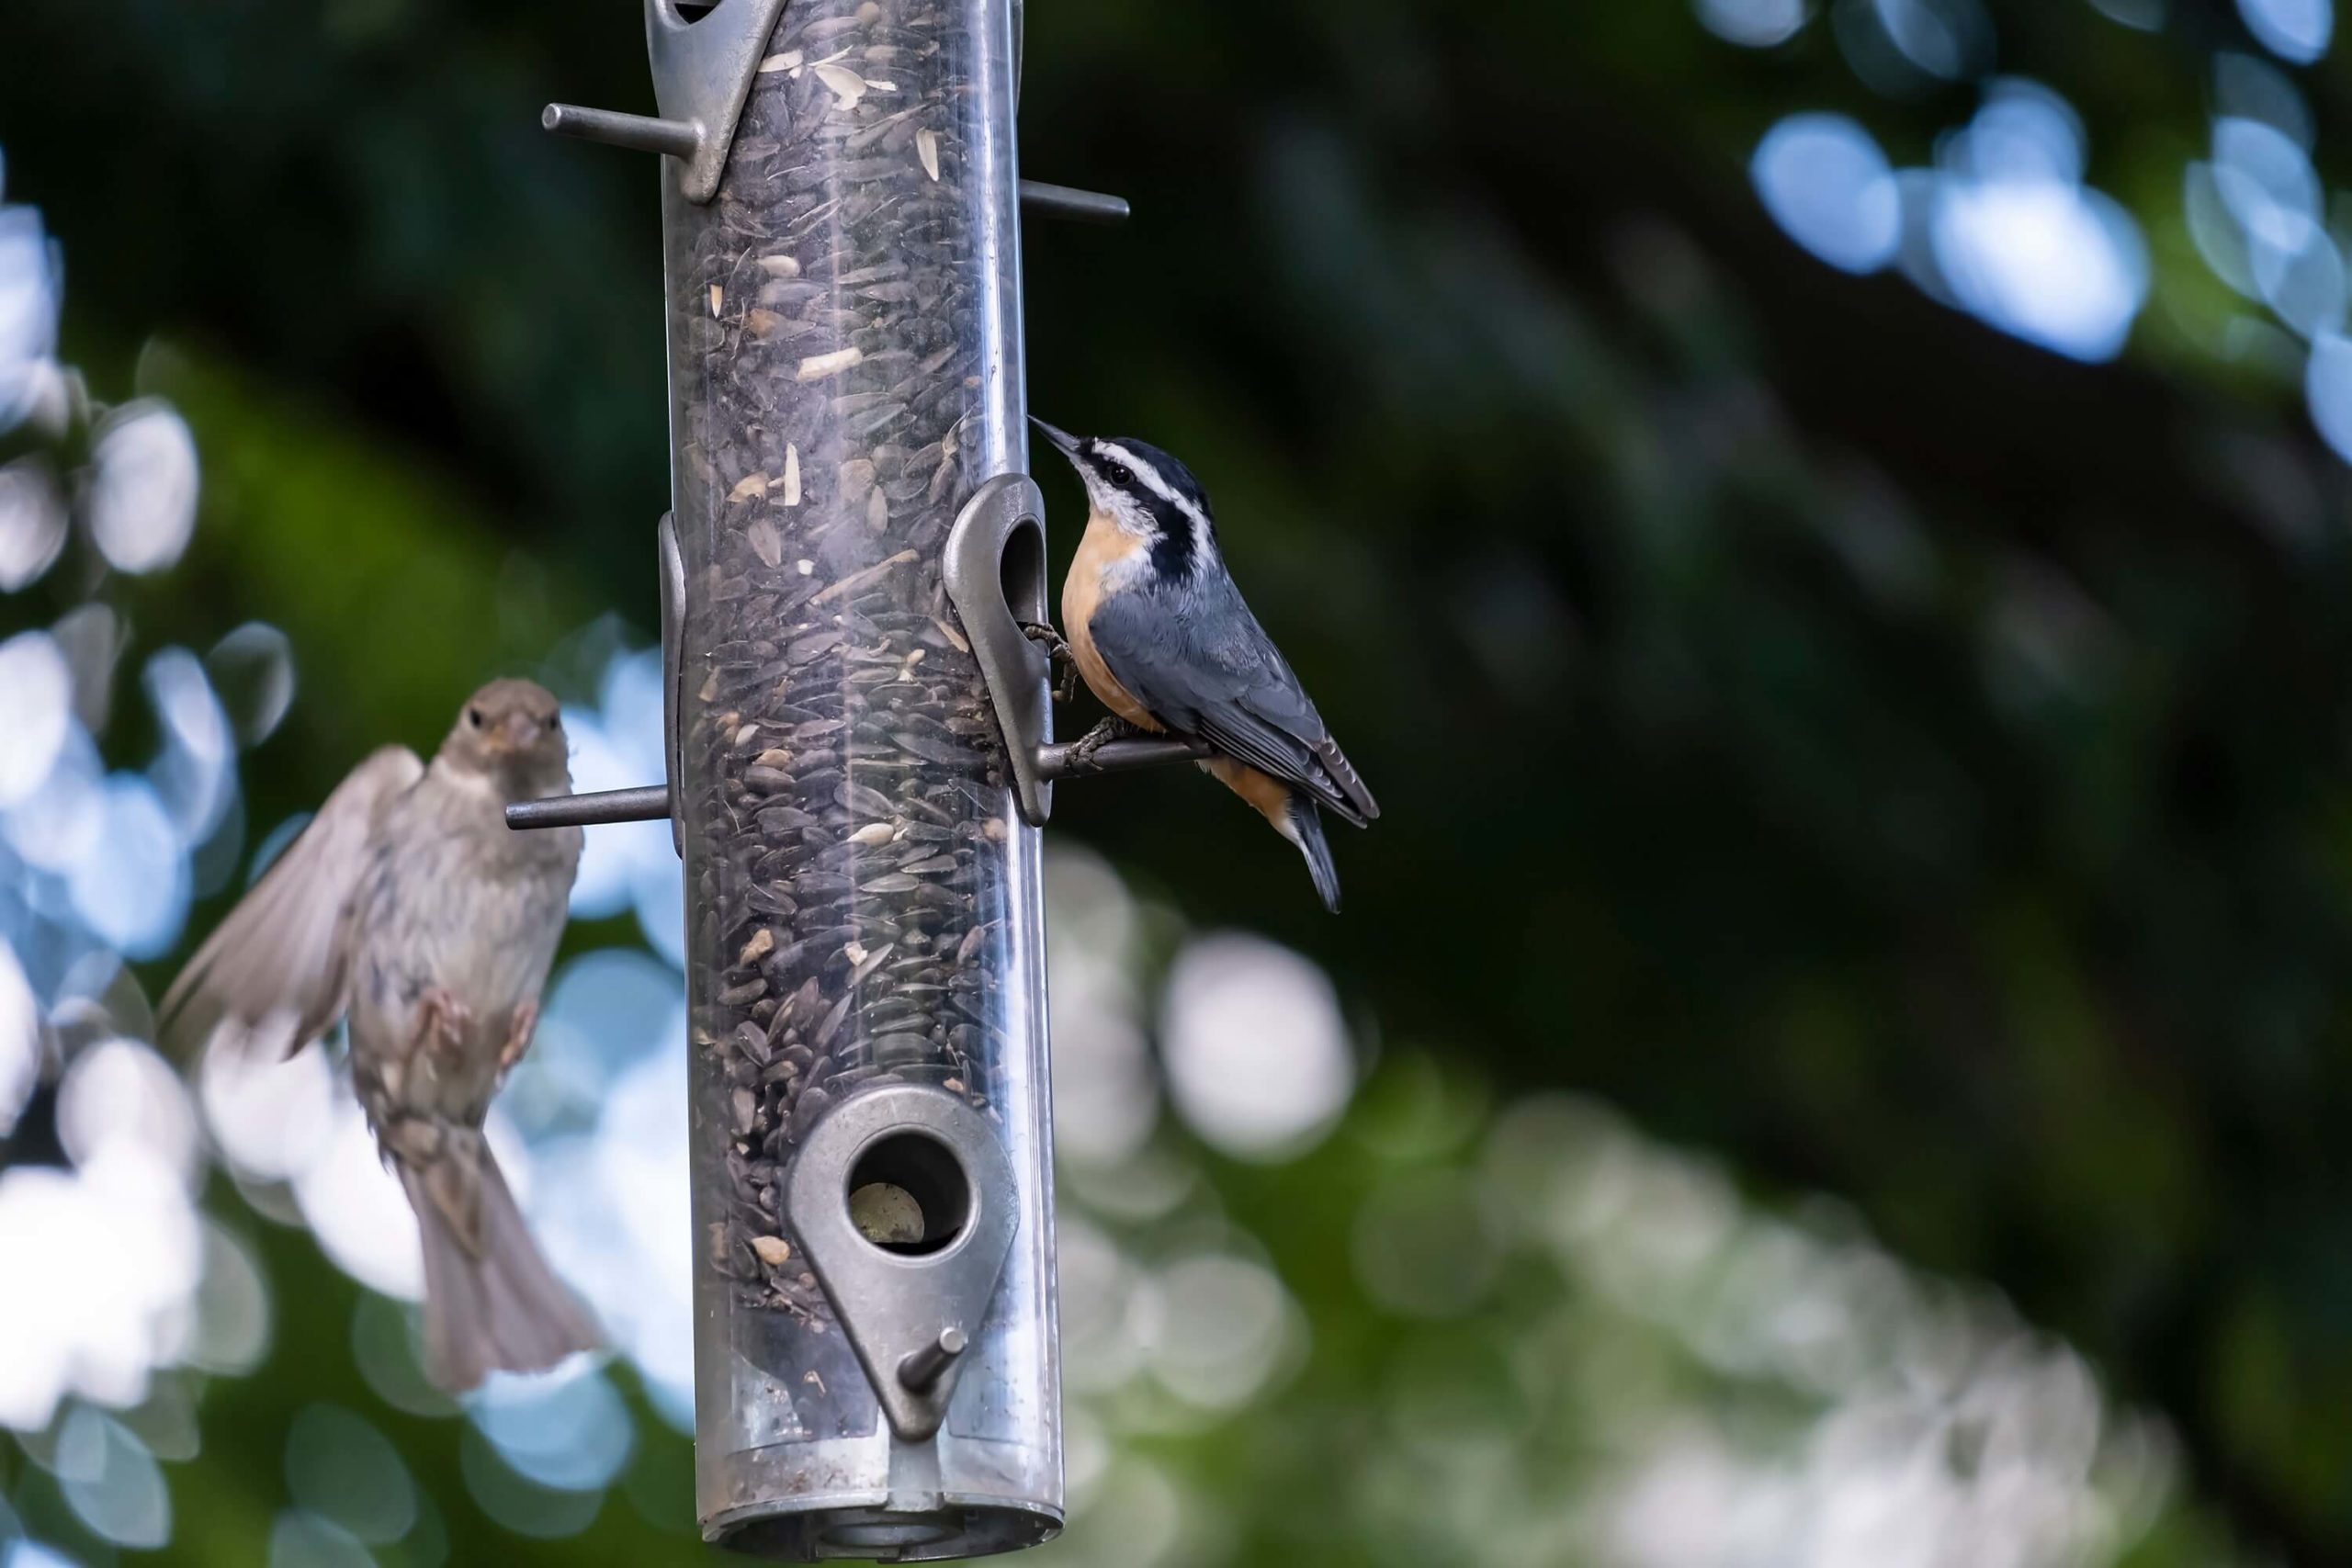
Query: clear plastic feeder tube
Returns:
{"type": "Point", "coordinates": [863, 911]}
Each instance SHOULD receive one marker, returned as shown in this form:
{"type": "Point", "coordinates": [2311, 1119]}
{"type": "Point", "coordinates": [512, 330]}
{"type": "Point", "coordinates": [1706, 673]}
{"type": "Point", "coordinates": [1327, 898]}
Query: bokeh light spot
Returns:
{"type": "Point", "coordinates": [1946, 38]}
{"type": "Point", "coordinates": [2327, 387]}
{"type": "Point", "coordinates": [2298, 30]}
{"type": "Point", "coordinates": [20, 1038]}
{"type": "Point", "coordinates": [112, 1482]}
{"type": "Point", "coordinates": [342, 1468]}
{"type": "Point", "coordinates": [354, 1206]}
{"type": "Point", "coordinates": [1823, 178]}
{"type": "Point", "coordinates": [36, 712]}
{"type": "Point", "coordinates": [33, 1554]}
{"type": "Point", "coordinates": [521, 1504]}
{"type": "Point", "coordinates": [142, 496]}
{"type": "Point", "coordinates": [1906, 48]}
{"type": "Point", "coordinates": [233, 1315]}
{"type": "Point", "coordinates": [253, 670]}
{"type": "Point", "coordinates": [1258, 1059]}
{"type": "Point", "coordinates": [95, 1328]}
{"type": "Point", "coordinates": [300, 1540]}
{"type": "Point", "coordinates": [271, 1114]}
{"type": "Point", "coordinates": [1224, 1323]}
{"type": "Point", "coordinates": [121, 1091]}
{"type": "Point", "coordinates": [1105, 1089]}
{"type": "Point", "coordinates": [568, 1430]}
{"type": "Point", "coordinates": [1422, 1246]}
{"type": "Point", "coordinates": [2044, 260]}
{"type": "Point", "coordinates": [1756, 24]}
{"type": "Point", "coordinates": [132, 887]}
{"type": "Point", "coordinates": [386, 1346]}
{"type": "Point", "coordinates": [29, 301]}
{"type": "Point", "coordinates": [32, 520]}
{"type": "Point", "coordinates": [2141, 16]}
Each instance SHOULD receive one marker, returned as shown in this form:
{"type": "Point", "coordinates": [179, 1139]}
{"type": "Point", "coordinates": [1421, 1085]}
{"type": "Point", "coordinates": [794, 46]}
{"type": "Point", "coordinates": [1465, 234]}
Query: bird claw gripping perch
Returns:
{"type": "Point", "coordinates": [1085, 755]}
{"type": "Point", "coordinates": [1059, 651]}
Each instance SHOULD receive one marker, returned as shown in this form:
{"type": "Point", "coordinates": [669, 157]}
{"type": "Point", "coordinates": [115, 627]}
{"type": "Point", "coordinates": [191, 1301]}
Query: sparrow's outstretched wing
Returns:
{"type": "Point", "coordinates": [277, 956]}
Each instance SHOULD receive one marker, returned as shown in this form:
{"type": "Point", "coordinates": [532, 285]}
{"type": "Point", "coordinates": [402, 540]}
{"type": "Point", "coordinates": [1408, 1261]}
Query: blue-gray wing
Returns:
{"type": "Point", "coordinates": [1200, 662]}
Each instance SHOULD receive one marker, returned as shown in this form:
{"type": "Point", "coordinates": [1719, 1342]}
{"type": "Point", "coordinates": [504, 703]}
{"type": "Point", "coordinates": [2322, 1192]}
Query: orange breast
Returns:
{"type": "Point", "coordinates": [1104, 549]}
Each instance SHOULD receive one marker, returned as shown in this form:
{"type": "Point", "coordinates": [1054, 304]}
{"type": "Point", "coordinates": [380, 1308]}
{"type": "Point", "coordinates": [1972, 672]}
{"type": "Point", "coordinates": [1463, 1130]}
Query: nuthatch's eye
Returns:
{"type": "Point", "coordinates": [473, 717]}
{"type": "Point", "coordinates": [1119, 474]}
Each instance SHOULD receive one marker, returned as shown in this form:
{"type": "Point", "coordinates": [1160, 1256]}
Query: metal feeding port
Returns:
{"type": "Point", "coordinates": [905, 1202]}
{"type": "Point", "coordinates": [995, 575]}
{"type": "Point", "coordinates": [860, 753]}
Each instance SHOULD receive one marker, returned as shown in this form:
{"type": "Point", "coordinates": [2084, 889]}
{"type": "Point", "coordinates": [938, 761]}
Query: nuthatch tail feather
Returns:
{"type": "Point", "coordinates": [1161, 633]}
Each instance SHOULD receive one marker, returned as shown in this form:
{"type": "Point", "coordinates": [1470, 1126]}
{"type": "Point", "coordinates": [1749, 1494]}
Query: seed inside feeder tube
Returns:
{"type": "Point", "coordinates": [847, 85]}
{"type": "Point", "coordinates": [886, 1216]}
{"type": "Point", "coordinates": [762, 536]}
{"type": "Point", "coordinates": [816, 366]}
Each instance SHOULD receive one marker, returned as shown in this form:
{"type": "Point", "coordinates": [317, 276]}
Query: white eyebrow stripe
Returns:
{"type": "Point", "coordinates": [1111, 451]}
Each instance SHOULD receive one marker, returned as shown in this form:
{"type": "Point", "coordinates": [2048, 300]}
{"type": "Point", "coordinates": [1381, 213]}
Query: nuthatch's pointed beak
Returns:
{"type": "Point", "coordinates": [1064, 442]}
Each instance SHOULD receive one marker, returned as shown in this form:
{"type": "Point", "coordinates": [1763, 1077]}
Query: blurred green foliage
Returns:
{"type": "Point", "coordinates": [1903, 762]}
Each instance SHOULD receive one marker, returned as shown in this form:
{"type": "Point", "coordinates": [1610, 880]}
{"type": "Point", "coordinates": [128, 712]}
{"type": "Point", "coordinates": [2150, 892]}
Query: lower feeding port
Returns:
{"type": "Point", "coordinates": [906, 1211]}
{"type": "Point", "coordinates": [906, 1205]}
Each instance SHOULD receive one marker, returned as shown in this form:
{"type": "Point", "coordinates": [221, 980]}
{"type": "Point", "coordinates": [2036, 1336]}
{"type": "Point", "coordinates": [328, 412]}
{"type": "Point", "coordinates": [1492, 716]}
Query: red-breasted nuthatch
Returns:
{"type": "Point", "coordinates": [1161, 633]}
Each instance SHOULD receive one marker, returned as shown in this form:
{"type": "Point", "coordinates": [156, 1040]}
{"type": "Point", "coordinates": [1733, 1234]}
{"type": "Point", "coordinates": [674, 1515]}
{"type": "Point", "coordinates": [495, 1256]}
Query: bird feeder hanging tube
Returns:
{"type": "Point", "coordinates": [860, 754]}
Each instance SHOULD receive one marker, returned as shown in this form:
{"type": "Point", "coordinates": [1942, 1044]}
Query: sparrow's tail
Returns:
{"type": "Point", "coordinates": [1305, 830]}
{"type": "Point", "coordinates": [492, 1303]}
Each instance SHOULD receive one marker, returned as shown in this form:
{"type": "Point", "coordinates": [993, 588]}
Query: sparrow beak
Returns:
{"type": "Point", "coordinates": [517, 732]}
{"type": "Point", "coordinates": [1063, 440]}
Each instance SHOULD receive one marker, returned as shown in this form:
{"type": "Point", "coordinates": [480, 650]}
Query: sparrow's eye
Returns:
{"type": "Point", "coordinates": [1120, 474]}
{"type": "Point", "coordinates": [473, 717]}
{"type": "Point", "coordinates": [555, 721]}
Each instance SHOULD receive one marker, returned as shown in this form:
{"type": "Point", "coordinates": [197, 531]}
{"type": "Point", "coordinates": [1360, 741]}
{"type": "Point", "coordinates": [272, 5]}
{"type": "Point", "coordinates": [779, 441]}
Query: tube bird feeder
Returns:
{"type": "Point", "coordinates": [860, 756]}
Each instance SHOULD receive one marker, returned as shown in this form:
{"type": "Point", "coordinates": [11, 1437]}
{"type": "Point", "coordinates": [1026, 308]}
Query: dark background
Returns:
{"type": "Point", "coordinates": [1886, 760]}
